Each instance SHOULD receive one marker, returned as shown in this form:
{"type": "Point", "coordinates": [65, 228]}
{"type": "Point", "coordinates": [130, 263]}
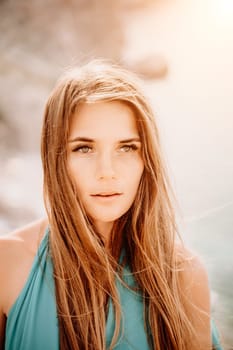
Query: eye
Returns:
{"type": "Point", "coordinates": [129, 148]}
{"type": "Point", "coordinates": [82, 149]}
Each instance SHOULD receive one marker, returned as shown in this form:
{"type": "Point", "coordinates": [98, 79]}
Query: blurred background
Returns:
{"type": "Point", "coordinates": [183, 50]}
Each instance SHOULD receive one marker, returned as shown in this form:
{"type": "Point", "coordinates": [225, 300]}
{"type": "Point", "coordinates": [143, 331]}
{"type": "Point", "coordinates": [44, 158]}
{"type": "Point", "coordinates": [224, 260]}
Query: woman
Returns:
{"type": "Point", "coordinates": [104, 271]}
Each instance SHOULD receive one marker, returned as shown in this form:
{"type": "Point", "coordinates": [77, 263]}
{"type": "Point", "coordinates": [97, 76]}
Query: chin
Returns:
{"type": "Point", "coordinates": [105, 219]}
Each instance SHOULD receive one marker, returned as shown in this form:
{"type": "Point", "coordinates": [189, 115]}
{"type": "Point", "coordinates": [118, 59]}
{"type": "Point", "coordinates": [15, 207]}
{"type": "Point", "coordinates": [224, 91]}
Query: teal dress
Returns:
{"type": "Point", "coordinates": [32, 321]}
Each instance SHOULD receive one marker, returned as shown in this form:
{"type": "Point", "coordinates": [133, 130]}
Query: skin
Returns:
{"type": "Point", "coordinates": [196, 294]}
{"type": "Point", "coordinates": [104, 160]}
{"type": "Point", "coordinates": [106, 169]}
{"type": "Point", "coordinates": [17, 251]}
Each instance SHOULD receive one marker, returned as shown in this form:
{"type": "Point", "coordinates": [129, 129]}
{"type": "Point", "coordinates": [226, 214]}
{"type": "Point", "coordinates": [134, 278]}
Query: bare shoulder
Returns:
{"type": "Point", "coordinates": [192, 269]}
{"type": "Point", "coordinates": [195, 292]}
{"type": "Point", "coordinates": [21, 242]}
{"type": "Point", "coordinates": [26, 234]}
{"type": "Point", "coordinates": [17, 251]}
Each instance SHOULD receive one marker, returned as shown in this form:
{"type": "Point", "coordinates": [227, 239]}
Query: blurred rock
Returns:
{"type": "Point", "coordinates": [150, 67]}
{"type": "Point", "coordinates": [8, 137]}
{"type": "Point", "coordinates": [135, 4]}
{"type": "Point", "coordinates": [21, 197]}
{"type": "Point", "coordinates": [11, 218]}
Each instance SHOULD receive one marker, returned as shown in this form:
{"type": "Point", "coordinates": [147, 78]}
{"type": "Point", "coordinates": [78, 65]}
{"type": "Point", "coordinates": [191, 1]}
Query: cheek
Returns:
{"type": "Point", "coordinates": [136, 175]}
{"type": "Point", "coordinates": [139, 167]}
{"type": "Point", "coordinates": [76, 175]}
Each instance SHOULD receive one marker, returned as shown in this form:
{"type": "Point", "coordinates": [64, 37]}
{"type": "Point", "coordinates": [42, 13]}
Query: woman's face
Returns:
{"type": "Point", "coordinates": [104, 160]}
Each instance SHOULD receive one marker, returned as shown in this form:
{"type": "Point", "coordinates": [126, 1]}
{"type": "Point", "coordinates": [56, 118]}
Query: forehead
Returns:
{"type": "Point", "coordinates": [104, 119]}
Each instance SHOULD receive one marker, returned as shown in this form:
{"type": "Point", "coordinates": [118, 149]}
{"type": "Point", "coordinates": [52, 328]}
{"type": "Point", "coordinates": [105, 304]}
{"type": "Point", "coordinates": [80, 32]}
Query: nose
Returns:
{"type": "Point", "coordinates": [105, 168]}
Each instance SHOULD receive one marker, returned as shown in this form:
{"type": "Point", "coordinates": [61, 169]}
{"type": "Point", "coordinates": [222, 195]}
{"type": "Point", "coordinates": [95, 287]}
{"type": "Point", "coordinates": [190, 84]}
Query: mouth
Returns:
{"type": "Point", "coordinates": [106, 194]}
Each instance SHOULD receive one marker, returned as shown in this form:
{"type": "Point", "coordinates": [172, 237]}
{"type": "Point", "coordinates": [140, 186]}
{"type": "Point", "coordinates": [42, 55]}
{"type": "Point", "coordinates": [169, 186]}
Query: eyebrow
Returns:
{"type": "Point", "coordinates": [134, 139]}
{"type": "Point", "coordinates": [83, 139]}
{"type": "Point", "coordinates": [87, 139]}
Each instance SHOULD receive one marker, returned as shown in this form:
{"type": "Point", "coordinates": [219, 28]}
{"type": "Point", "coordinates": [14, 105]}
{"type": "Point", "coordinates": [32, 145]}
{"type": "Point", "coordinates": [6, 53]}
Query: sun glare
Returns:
{"type": "Point", "coordinates": [223, 8]}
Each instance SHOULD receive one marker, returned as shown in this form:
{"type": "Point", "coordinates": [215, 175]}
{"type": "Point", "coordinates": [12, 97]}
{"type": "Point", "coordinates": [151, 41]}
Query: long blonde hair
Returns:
{"type": "Point", "coordinates": [84, 271]}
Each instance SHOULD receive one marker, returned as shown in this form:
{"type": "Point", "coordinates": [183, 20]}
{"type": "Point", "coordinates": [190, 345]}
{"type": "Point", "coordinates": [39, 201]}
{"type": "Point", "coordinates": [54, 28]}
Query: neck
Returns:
{"type": "Point", "coordinates": [104, 229]}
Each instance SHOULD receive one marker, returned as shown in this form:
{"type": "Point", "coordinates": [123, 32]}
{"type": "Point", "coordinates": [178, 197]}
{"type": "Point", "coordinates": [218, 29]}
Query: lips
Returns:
{"type": "Point", "coordinates": [106, 194]}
